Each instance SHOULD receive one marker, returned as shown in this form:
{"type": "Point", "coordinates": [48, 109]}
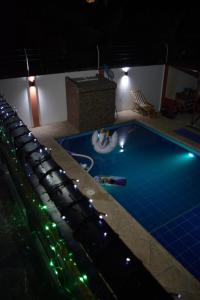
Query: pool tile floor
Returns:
{"type": "Point", "coordinates": [182, 238]}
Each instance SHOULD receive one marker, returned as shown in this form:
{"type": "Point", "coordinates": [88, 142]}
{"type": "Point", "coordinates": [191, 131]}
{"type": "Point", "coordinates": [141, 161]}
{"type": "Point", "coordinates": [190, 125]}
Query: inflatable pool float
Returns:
{"type": "Point", "coordinates": [103, 141]}
{"type": "Point", "coordinates": [114, 180]}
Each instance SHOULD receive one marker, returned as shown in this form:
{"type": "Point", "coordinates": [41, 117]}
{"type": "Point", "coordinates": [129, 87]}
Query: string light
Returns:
{"type": "Point", "coordinates": [43, 207]}
{"type": "Point", "coordinates": [53, 248]}
{"type": "Point", "coordinates": [47, 227]}
{"type": "Point", "coordinates": [51, 263]}
{"type": "Point", "coordinates": [50, 234]}
{"type": "Point", "coordinates": [128, 260]}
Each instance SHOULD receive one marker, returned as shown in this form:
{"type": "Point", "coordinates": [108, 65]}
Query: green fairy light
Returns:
{"type": "Point", "coordinates": [81, 279]}
{"type": "Point", "coordinates": [85, 277]}
{"type": "Point", "coordinates": [56, 272]}
{"type": "Point", "coordinates": [51, 263]}
{"type": "Point", "coordinates": [58, 264]}
{"type": "Point", "coordinates": [43, 207]}
{"type": "Point", "coordinates": [52, 248]}
{"type": "Point", "coordinates": [46, 227]}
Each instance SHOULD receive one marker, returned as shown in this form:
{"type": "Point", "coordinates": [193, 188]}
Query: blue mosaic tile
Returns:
{"type": "Point", "coordinates": [189, 240]}
{"type": "Point", "coordinates": [188, 256]}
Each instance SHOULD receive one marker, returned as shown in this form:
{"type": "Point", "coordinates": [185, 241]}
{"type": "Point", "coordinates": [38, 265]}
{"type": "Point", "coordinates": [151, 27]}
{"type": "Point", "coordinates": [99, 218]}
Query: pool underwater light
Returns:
{"type": "Point", "coordinates": [191, 154]}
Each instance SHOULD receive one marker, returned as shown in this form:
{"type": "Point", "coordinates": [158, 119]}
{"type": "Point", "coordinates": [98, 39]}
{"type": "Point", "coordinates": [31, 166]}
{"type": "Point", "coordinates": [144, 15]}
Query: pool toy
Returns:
{"type": "Point", "coordinates": [103, 141]}
{"type": "Point", "coordinates": [114, 180]}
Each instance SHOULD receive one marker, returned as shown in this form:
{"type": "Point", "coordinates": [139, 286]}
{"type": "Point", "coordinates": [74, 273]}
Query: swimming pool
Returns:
{"type": "Point", "coordinates": [162, 191]}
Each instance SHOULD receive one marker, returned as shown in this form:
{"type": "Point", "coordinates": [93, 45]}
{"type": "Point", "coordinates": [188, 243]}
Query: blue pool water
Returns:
{"type": "Point", "coordinates": [163, 185]}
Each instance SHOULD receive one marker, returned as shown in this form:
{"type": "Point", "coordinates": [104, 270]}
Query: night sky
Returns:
{"type": "Point", "coordinates": [77, 26]}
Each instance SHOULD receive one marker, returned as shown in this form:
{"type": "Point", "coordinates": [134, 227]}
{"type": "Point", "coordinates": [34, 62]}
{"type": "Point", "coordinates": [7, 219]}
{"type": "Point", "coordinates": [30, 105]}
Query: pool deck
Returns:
{"type": "Point", "coordinates": [163, 266]}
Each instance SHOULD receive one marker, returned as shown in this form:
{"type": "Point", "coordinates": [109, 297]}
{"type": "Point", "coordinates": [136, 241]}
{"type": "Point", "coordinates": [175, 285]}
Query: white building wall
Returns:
{"type": "Point", "coordinates": [178, 80]}
{"type": "Point", "coordinates": [148, 79]}
{"type": "Point", "coordinates": [52, 92]}
{"type": "Point", "coordinates": [16, 93]}
{"type": "Point", "coordinates": [52, 95]}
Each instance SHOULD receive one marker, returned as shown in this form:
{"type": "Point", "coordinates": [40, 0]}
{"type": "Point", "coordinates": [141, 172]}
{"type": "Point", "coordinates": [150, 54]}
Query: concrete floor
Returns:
{"type": "Point", "coordinates": [164, 267]}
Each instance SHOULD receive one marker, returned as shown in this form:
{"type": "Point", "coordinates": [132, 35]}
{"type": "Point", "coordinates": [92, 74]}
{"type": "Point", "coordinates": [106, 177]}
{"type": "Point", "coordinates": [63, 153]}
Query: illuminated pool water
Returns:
{"type": "Point", "coordinates": [163, 185]}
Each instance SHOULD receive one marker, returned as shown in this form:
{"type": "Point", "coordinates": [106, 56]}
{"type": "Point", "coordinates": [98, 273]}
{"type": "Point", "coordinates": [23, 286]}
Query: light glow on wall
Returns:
{"type": "Point", "coordinates": [125, 82]}
{"type": "Point", "coordinates": [33, 96]}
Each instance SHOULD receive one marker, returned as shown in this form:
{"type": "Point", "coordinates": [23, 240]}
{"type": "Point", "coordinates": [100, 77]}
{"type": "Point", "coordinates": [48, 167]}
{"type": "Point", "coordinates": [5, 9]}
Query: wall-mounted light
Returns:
{"type": "Point", "coordinates": [125, 70]}
{"type": "Point", "coordinates": [31, 81]}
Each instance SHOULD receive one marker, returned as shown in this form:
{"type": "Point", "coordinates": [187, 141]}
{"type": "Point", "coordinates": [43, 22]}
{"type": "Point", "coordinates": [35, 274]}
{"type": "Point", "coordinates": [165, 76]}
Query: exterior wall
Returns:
{"type": "Point", "coordinates": [52, 95]}
{"type": "Point", "coordinates": [52, 91]}
{"type": "Point", "coordinates": [178, 80]}
{"type": "Point", "coordinates": [16, 93]}
{"type": "Point", "coordinates": [148, 79]}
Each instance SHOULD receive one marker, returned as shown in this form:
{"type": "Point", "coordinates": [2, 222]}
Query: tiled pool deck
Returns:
{"type": "Point", "coordinates": [168, 271]}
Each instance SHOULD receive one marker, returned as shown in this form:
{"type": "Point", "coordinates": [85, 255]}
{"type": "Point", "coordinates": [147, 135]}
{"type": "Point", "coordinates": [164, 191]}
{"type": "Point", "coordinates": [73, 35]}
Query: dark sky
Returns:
{"type": "Point", "coordinates": [71, 26]}
{"type": "Point", "coordinates": [78, 24]}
